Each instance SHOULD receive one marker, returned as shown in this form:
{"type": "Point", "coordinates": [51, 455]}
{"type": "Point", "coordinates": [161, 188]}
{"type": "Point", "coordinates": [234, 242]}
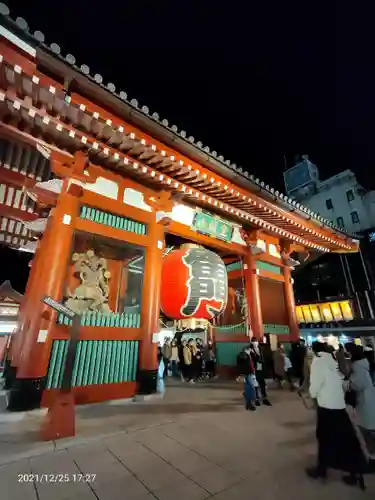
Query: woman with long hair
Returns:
{"type": "Point", "coordinates": [361, 383]}
{"type": "Point", "coordinates": [338, 445]}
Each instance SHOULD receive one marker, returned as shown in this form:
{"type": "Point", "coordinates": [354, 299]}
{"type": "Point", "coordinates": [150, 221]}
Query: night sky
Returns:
{"type": "Point", "coordinates": [255, 83]}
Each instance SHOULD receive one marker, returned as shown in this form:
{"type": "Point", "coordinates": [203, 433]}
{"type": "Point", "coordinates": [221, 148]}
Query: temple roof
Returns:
{"type": "Point", "coordinates": [8, 292]}
{"type": "Point", "coordinates": [266, 207]}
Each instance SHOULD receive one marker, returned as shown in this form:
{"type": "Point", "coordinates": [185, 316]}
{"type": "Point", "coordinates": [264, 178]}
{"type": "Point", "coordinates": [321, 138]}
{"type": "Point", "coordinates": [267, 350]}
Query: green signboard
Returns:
{"type": "Point", "coordinates": [211, 226]}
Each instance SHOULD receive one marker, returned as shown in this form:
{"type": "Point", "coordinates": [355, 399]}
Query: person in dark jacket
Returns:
{"type": "Point", "coordinates": [246, 369]}
{"type": "Point", "coordinates": [258, 361]}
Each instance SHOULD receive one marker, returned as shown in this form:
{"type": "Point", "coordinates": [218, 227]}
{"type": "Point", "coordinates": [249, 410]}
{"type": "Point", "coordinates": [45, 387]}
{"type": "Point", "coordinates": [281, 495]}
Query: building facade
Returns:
{"type": "Point", "coordinates": [112, 186]}
{"type": "Point", "coordinates": [340, 198]}
{"type": "Point", "coordinates": [351, 208]}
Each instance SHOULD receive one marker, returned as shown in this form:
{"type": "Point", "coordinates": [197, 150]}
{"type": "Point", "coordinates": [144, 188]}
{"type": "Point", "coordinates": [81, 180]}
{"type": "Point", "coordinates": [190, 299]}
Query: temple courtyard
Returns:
{"type": "Point", "coordinates": [196, 443]}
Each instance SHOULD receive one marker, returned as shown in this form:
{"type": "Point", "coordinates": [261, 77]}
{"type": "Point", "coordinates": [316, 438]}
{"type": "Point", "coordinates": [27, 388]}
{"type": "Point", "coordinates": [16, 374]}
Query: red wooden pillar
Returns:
{"type": "Point", "coordinates": [17, 340]}
{"type": "Point", "coordinates": [50, 274]}
{"type": "Point", "coordinates": [290, 304]}
{"type": "Point", "coordinates": [150, 311]}
{"type": "Point", "coordinates": [253, 296]}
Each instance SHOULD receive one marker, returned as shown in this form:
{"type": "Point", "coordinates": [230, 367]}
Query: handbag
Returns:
{"type": "Point", "coordinates": [350, 394]}
{"type": "Point", "coordinates": [351, 398]}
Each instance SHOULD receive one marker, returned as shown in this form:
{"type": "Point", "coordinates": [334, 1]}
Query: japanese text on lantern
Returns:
{"type": "Point", "coordinates": [207, 282]}
{"type": "Point", "coordinates": [195, 284]}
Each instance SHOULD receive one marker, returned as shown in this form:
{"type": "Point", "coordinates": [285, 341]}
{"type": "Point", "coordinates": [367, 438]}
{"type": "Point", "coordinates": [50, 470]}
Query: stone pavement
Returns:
{"type": "Point", "coordinates": [197, 443]}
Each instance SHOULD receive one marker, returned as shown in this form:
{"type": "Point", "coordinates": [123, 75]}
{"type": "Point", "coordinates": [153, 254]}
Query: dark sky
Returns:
{"type": "Point", "coordinates": [253, 82]}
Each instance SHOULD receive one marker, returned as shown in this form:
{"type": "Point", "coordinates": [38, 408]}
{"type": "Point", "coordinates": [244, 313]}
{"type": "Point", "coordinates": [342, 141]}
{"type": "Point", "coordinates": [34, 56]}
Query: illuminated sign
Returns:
{"type": "Point", "coordinates": [371, 237]}
{"type": "Point", "coordinates": [330, 311]}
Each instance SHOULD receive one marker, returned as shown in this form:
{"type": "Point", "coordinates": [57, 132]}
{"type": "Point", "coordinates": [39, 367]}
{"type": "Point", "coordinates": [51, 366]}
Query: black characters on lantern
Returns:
{"type": "Point", "coordinates": [207, 282]}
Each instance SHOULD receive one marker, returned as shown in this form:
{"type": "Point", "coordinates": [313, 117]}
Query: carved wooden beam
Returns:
{"type": "Point", "coordinates": [73, 168]}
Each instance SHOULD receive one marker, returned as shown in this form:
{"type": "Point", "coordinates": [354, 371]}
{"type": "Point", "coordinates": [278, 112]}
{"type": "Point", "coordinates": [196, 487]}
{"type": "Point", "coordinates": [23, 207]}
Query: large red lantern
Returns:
{"type": "Point", "coordinates": [194, 284]}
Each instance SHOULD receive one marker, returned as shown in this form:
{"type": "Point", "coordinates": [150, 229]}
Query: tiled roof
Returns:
{"type": "Point", "coordinates": [37, 39]}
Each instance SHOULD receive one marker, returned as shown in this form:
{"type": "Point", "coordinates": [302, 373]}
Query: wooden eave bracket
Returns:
{"type": "Point", "coordinates": [255, 250]}
{"type": "Point", "coordinates": [76, 168]}
{"type": "Point", "coordinates": [291, 262]}
{"type": "Point", "coordinates": [286, 249]}
{"type": "Point", "coordinates": [163, 204]}
{"type": "Point", "coordinates": [43, 193]}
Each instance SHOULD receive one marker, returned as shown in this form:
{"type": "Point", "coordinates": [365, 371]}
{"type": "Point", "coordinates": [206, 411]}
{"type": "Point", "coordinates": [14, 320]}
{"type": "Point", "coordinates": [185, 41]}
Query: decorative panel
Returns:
{"type": "Point", "coordinates": [265, 266]}
{"type": "Point", "coordinates": [235, 266]}
{"type": "Point", "coordinates": [272, 302]}
{"type": "Point", "coordinates": [112, 220]}
{"type": "Point", "coordinates": [212, 226]}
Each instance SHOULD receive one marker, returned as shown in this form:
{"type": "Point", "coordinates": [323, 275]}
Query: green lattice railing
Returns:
{"type": "Point", "coordinates": [115, 221]}
{"type": "Point", "coordinates": [97, 362]}
{"type": "Point", "coordinates": [115, 320]}
{"type": "Point", "coordinates": [241, 329]}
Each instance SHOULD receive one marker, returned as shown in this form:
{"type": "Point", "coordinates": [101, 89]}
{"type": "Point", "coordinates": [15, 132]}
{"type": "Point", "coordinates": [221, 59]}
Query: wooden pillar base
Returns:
{"type": "Point", "coordinates": [147, 381]}
{"type": "Point", "coordinates": [60, 419]}
{"type": "Point", "coordinates": [26, 394]}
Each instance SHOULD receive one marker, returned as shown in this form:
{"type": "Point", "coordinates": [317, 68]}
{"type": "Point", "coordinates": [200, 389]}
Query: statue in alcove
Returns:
{"type": "Point", "coordinates": [243, 305]}
{"type": "Point", "coordinates": [93, 291]}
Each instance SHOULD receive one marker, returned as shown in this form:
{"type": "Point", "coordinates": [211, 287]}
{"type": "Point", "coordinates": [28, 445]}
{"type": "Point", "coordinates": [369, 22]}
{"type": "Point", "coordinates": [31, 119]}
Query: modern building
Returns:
{"type": "Point", "coordinates": [351, 208]}
{"type": "Point", "coordinates": [339, 198]}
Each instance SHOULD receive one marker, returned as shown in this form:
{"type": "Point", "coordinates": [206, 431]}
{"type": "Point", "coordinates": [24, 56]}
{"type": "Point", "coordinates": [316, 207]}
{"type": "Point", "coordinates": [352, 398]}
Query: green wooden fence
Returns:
{"type": "Point", "coordinates": [115, 320]}
{"type": "Point", "coordinates": [97, 362]}
{"type": "Point", "coordinates": [227, 352]}
{"type": "Point", "coordinates": [240, 329]}
{"type": "Point", "coordinates": [112, 220]}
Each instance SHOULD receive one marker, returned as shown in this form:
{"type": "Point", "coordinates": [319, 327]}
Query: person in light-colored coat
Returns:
{"type": "Point", "coordinates": [361, 383]}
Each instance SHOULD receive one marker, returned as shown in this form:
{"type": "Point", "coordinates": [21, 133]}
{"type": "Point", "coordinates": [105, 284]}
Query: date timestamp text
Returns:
{"type": "Point", "coordinates": [56, 478]}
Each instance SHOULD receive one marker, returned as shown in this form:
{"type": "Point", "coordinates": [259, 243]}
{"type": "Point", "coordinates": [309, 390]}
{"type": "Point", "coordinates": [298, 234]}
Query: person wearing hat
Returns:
{"type": "Point", "coordinates": [258, 361]}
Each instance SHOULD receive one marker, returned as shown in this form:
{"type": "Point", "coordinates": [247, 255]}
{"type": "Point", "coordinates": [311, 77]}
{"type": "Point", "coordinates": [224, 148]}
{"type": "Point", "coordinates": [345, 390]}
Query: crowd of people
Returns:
{"type": "Point", "coordinates": [332, 380]}
{"type": "Point", "coordinates": [190, 360]}
{"type": "Point", "coordinates": [339, 379]}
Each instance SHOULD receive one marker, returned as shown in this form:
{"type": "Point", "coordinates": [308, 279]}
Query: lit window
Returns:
{"type": "Point", "coordinates": [350, 195]}
{"type": "Point", "coordinates": [355, 217]}
{"type": "Point", "coordinates": [340, 222]}
{"type": "Point", "coordinates": [329, 204]}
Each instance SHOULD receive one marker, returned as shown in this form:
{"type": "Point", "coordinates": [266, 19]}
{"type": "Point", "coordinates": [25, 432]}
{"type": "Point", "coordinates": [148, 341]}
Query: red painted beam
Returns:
{"type": "Point", "coordinates": [14, 178]}
{"type": "Point", "coordinates": [16, 213]}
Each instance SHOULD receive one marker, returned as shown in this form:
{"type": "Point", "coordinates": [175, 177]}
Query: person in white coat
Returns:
{"type": "Point", "coordinates": [361, 382]}
{"type": "Point", "coordinates": [338, 446]}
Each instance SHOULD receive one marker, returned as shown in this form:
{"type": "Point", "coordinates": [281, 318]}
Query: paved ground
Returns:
{"type": "Point", "coordinates": [198, 443]}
